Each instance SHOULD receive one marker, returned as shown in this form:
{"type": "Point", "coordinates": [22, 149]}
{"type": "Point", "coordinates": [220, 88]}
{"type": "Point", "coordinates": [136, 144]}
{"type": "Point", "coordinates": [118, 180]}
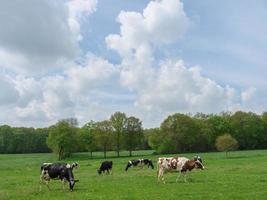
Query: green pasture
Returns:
{"type": "Point", "coordinates": [243, 175]}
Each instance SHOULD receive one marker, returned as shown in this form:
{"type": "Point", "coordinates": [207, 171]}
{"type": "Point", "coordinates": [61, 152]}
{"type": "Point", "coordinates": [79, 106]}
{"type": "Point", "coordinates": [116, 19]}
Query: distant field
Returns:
{"type": "Point", "coordinates": [241, 176]}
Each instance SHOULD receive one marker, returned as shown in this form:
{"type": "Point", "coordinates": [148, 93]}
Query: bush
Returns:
{"type": "Point", "coordinates": [226, 143]}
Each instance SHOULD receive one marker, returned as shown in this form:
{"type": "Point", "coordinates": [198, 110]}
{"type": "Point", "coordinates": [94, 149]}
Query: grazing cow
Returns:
{"type": "Point", "coordinates": [139, 162]}
{"type": "Point", "coordinates": [179, 164]}
{"type": "Point", "coordinates": [105, 166]}
{"type": "Point", "coordinates": [61, 171]}
{"type": "Point", "coordinates": [74, 165]}
{"type": "Point", "coordinates": [198, 158]}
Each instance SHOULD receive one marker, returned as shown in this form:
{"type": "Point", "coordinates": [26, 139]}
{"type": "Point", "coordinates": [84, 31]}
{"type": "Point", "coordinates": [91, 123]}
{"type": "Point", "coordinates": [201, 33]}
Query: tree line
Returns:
{"type": "Point", "coordinates": [178, 133]}
{"type": "Point", "coordinates": [198, 133]}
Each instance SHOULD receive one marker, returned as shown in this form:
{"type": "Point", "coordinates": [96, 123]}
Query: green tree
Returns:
{"type": "Point", "coordinates": [7, 139]}
{"type": "Point", "coordinates": [178, 134]}
{"type": "Point", "coordinates": [118, 122]}
{"type": "Point", "coordinates": [204, 137]}
{"type": "Point", "coordinates": [264, 138]}
{"type": "Point", "coordinates": [62, 139]}
{"type": "Point", "coordinates": [248, 129]}
{"type": "Point", "coordinates": [226, 143]}
{"type": "Point", "coordinates": [219, 124]}
{"type": "Point", "coordinates": [88, 138]}
{"type": "Point", "coordinates": [72, 121]}
{"type": "Point", "coordinates": [154, 137]}
{"type": "Point", "coordinates": [103, 134]}
{"type": "Point", "coordinates": [39, 143]}
{"type": "Point", "coordinates": [133, 134]}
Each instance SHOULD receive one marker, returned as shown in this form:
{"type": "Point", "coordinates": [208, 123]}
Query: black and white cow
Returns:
{"type": "Point", "coordinates": [105, 166]}
{"type": "Point", "coordinates": [58, 171]}
{"type": "Point", "coordinates": [139, 162]}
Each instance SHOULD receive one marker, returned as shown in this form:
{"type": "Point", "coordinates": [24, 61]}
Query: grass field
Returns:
{"type": "Point", "coordinates": [241, 176]}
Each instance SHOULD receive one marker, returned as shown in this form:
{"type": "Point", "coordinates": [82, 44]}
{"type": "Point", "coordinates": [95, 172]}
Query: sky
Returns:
{"type": "Point", "coordinates": [147, 58]}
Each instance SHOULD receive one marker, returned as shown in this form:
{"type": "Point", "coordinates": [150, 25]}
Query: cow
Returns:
{"type": "Point", "coordinates": [178, 164]}
{"type": "Point", "coordinates": [58, 171]}
{"type": "Point", "coordinates": [105, 167]}
{"type": "Point", "coordinates": [139, 162]}
{"type": "Point", "coordinates": [74, 165]}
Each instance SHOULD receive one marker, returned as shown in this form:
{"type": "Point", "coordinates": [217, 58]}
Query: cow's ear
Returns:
{"type": "Point", "coordinates": [76, 180]}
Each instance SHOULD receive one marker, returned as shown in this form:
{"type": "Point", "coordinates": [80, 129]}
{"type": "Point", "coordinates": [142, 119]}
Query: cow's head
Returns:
{"type": "Point", "coordinates": [70, 176]}
{"type": "Point", "coordinates": [198, 158]}
{"type": "Point", "coordinates": [72, 183]}
{"type": "Point", "coordinates": [199, 165]}
{"type": "Point", "coordinates": [129, 164]}
{"type": "Point", "coordinates": [99, 171]}
{"type": "Point", "coordinates": [74, 165]}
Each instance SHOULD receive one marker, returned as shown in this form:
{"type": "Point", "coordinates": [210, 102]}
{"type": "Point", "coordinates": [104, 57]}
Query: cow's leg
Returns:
{"type": "Point", "coordinates": [162, 178]}
{"type": "Point", "coordinates": [43, 181]}
{"type": "Point", "coordinates": [63, 183]}
{"type": "Point", "coordinates": [178, 177]}
{"type": "Point", "coordinates": [40, 183]}
{"type": "Point", "coordinates": [46, 182]}
{"type": "Point", "coordinates": [185, 180]}
{"type": "Point", "coordinates": [160, 175]}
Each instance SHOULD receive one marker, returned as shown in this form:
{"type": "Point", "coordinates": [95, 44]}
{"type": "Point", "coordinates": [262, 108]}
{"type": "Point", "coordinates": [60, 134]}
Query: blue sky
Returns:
{"type": "Point", "coordinates": [88, 59]}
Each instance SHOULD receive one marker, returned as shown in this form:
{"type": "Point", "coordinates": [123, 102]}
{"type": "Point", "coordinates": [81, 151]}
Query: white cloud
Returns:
{"type": "Point", "coordinates": [91, 87]}
{"type": "Point", "coordinates": [37, 36]}
{"type": "Point", "coordinates": [164, 86]}
{"type": "Point", "coordinates": [8, 94]}
{"type": "Point", "coordinates": [34, 111]}
{"type": "Point", "coordinates": [178, 88]}
{"type": "Point", "coordinates": [28, 88]}
{"type": "Point", "coordinates": [95, 72]}
{"type": "Point", "coordinates": [161, 22]}
{"type": "Point", "coordinates": [77, 10]}
{"type": "Point", "coordinates": [165, 21]}
{"type": "Point", "coordinates": [248, 94]}
{"type": "Point", "coordinates": [83, 86]}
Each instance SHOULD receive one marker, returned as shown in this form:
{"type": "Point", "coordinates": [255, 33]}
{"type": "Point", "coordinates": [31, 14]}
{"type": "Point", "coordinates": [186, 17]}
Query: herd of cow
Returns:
{"type": "Point", "coordinates": [64, 171]}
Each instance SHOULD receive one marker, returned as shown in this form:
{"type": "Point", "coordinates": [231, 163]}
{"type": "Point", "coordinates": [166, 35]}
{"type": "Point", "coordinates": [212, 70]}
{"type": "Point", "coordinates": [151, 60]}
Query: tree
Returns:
{"type": "Point", "coordinates": [133, 134]}
{"type": "Point", "coordinates": [204, 139]}
{"type": "Point", "coordinates": [153, 137]}
{"type": "Point", "coordinates": [264, 139]}
{"type": "Point", "coordinates": [103, 134]}
{"type": "Point", "coordinates": [178, 134]}
{"type": "Point", "coordinates": [72, 121]}
{"type": "Point", "coordinates": [118, 122]}
{"type": "Point", "coordinates": [7, 139]}
{"type": "Point", "coordinates": [248, 129]}
{"type": "Point", "coordinates": [62, 139]}
{"type": "Point", "coordinates": [226, 143]}
{"type": "Point", "coordinates": [87, 137]}
{"type": "Point", "coordinates": [219, 124]}
{"type": "Point", "coordinates": [40, 146]}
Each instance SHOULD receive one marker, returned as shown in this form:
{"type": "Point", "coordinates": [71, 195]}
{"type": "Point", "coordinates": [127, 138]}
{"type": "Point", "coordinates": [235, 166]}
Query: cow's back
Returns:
{"type": "Point", "coordinates": [181, 162]}
{"type": "Point", "coordinates": [172, 163]}
{"type": "Point", "coordinates": [55, 170]}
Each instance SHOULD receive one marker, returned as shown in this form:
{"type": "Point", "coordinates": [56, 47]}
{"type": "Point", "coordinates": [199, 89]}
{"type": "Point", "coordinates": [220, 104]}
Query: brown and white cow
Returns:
{"type": "Point", "coordinates": [178, 164]}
